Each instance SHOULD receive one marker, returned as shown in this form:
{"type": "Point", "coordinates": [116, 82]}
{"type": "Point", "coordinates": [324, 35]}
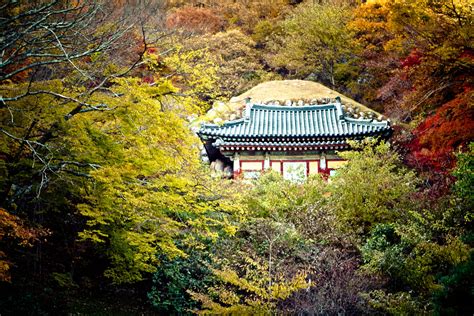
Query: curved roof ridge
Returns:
{"type": "Point", "coordinates": [234, 122]}
{"type": "Point", "coordinates": [366, 121]}
{"type": "Point", "coordinates": [293, 107]}
{"type": "Point", "coordinates": [209, 125]}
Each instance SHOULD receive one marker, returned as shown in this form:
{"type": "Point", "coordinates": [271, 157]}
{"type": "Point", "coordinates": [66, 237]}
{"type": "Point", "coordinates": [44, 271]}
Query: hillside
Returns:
{"type": "Point", "coordinates": [280, 91]}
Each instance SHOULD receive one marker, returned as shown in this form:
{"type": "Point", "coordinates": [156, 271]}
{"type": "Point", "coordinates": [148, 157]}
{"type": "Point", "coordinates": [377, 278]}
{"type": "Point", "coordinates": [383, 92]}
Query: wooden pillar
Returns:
{"type": "Point", "coordinates": [236, 160]}
{"type": "Point", "coordinates": [322, 162]}
{"type": "Point", "coordinates": [266, 162]}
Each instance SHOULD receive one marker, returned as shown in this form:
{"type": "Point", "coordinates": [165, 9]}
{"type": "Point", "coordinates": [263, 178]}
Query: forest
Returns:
{"type": "Point", "coordinates": [107, 209]}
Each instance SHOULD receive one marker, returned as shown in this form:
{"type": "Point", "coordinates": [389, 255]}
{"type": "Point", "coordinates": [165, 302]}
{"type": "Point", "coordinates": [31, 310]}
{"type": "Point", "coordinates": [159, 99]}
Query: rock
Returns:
{"type": "Point", "coordinates": [219, 165]}
{"type": "Point", "coordinates": [227, 172]}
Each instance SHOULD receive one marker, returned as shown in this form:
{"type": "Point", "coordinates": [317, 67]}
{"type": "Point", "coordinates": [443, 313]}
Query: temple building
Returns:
{"type": "Point", "coordinates": [296, 140]}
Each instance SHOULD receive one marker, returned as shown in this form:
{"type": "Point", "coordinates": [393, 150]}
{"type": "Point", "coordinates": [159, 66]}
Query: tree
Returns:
{"type": "Point", "coordinates": [316, 41]}
{"type": "Point", "coordinates": [373, 188]}
{"type": "Point", "coordinates": [413, 262]}
{"type": "Point", "coordinates": [419, 59]}
{"type": "Point", "coordinates": [464, 185]}
{"type": "Point", "coordinates": [425, 48]}
{"type": "Point", "coordinates": [174, 278]}
{"type": "Point", "coordinates": [45, 41]}
{"type": "Point", "coordinates": [372, 37]}
{"type": "Point", "coordinates": [439, 135]}
{"type": "Point", "coordinates": [98, 146]}
{"type": "Point", "coordinates": [195, 20]}
{"type": "Point", "coordinates": [255, 269]}
{"type": "Point", "coordinates": [236, 58]}
{"type": "Point", "coordinates": [426, 254]}
{"type": "Point", "coordinates": [258, 296]}
{"type": "Point", "coordinates": [14, 230]}
{"type": "Point", "coordinates": [59, 62]}
{"type": "Point", "coordinates": [250, 272]}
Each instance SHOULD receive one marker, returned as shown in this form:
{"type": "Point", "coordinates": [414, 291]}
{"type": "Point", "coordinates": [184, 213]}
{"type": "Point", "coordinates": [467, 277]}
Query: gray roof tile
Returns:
{"type": "Point", "coordinates": [295, 121]}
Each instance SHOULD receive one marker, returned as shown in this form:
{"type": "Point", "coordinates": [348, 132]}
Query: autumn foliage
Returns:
{"type": "Point", "coordinates": [105, 204]}
{"type": "Point", "coordinates": [195, 20]}
{"type": "Point", "coordinates": [14, 230]}
{"type": "Point", "coordinates": [441, 134]}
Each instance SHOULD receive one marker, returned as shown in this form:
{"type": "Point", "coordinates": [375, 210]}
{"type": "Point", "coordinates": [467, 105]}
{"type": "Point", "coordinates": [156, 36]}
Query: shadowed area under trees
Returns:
{"type": "Point", "coordinates": [106, 207]}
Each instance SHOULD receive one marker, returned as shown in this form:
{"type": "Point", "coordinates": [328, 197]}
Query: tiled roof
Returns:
{"type": "Point", "coordinates": [263, 121]}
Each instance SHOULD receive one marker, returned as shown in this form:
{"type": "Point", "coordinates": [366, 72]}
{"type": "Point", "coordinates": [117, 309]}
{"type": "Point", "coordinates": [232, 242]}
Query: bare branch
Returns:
{"type": "Point", "coordinates": [29, 142]}
{"type": "Point", "coordinates": [66, 55]}
{"type": "Point", "coordinates": [79, 164]}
